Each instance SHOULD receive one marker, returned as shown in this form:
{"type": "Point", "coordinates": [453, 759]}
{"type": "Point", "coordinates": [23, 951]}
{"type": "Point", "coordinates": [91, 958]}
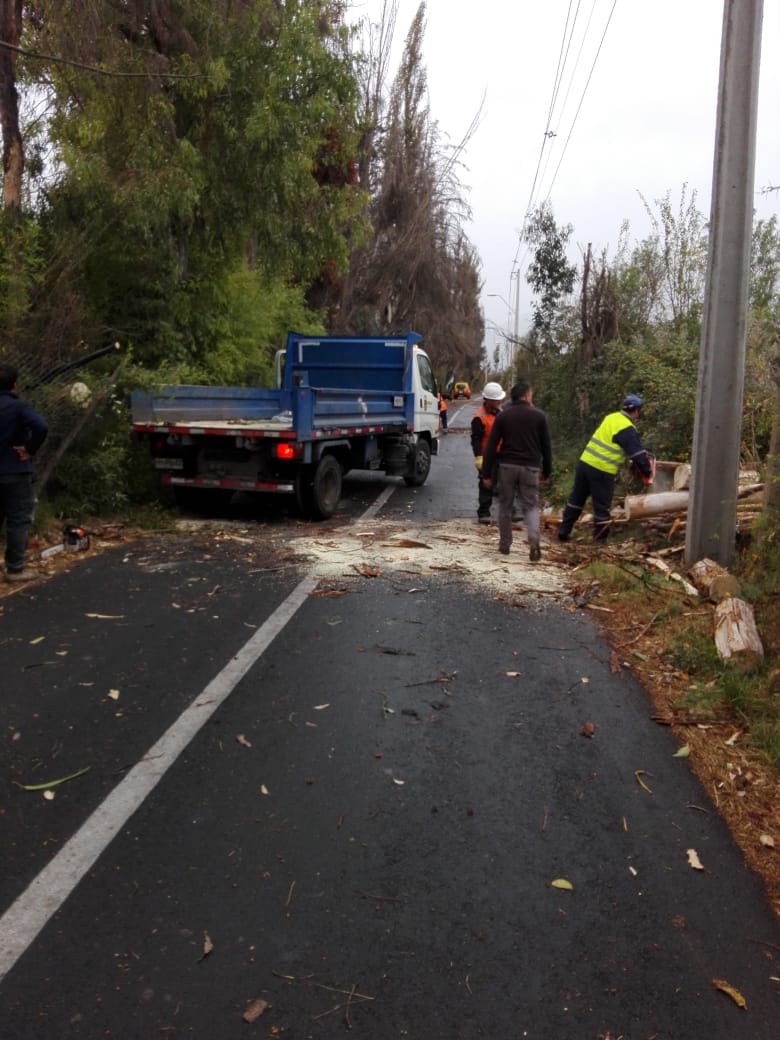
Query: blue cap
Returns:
{"type": "Point", "coordinates": [631, 401]}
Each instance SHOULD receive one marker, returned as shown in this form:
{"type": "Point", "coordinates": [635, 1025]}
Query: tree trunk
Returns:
{"type": "Point", "coordinates": [772, 483]}
{"type": "Point", "coordinates": [13, 151]}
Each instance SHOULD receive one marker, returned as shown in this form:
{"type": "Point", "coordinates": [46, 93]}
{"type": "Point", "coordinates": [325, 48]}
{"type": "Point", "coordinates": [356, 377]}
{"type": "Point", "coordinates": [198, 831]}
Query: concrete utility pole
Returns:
{"type": "Point", "coordinates": [712, 511]}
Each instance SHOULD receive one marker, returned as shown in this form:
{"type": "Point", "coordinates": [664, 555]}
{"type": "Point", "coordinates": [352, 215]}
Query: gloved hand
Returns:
{"type": "Point", "coordinates": [478, 463]}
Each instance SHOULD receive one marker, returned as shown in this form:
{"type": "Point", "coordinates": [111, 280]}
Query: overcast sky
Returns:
{"type": "Point", "coordinates": [634, 113]}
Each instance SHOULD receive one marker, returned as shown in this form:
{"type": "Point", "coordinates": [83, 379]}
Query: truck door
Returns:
{"type": "Point", "coordinates": [426, 400]}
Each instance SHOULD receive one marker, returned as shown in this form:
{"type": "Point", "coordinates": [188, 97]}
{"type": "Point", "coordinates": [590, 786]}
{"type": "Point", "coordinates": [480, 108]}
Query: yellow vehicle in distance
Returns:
{"type": "Point", "coordinates": [461, 389]}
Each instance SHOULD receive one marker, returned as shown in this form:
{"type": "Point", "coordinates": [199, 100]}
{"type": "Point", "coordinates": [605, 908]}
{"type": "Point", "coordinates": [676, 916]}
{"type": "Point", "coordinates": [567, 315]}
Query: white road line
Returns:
{"type": "Point", "coordinates": [22, 922]}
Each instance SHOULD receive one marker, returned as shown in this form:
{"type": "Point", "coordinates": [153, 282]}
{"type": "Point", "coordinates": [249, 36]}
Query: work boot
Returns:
{"type": "Point", "coordinates": [483, 519]}
{"type": "Point", "coordinates": [534, 552]}
{"type": "Point", "coordinates": [563, 537]}
{"type": "Point", "coordinates": [25, 575]}
{"type": "Point", "coordinates": [504, 550]}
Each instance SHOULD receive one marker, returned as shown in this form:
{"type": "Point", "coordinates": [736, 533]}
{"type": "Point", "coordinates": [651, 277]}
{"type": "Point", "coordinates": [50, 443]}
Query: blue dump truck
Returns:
{"type": "Point", "coordinates": [340, 403]}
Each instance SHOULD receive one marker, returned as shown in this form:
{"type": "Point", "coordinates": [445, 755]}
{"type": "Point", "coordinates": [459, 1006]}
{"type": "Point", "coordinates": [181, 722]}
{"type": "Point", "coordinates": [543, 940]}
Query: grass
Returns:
{"type": "Point", "coordinates": [682, 639]}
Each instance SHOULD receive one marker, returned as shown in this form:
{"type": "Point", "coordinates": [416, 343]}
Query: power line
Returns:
{"type": "Point", "coordinates": [548, 134]}
{"type": "Point", "coordinates": [562, 54]}
{"type": "Point", "coordinates": [582, 99]}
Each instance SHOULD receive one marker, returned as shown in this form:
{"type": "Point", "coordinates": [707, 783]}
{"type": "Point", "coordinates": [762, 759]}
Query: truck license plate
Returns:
{"type": "Point", "coordinates": [169, 463]}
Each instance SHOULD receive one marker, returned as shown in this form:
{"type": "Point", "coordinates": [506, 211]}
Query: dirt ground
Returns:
{"type": "Point", "coordinates": [742, 788]}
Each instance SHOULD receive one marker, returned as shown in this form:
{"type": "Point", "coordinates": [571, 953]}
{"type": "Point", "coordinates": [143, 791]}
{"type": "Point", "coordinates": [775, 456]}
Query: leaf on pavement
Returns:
{"type": "Point", "coordinates": [367, 571]}
{"type": "Point", "coordinates": [767, 841]}
{"type": "Point", "coordinates": [38, 639]}
{"type": "Point", "coordinates": [322, 707]}
{"type": "Point", "coordinates": [614, 661]}
{"type": "Point", "coordinates": [105, 617]}
{"type": "Point", "coordinates": [682, 752]}
{"type": "Point", "coordinates": [114, 695]}
{"type": "Point", "coordinates": [49, 795]}
{"type": "Point", "coordinates": [693, 859]}
{"type": "Point", "coordinates": [562, 883]}
{"type": "Point", "coordinates": [735, 995]}
{"type": "Point", "coordinates": [264, 789]}
{"type": "Point", "coordinates": [588, 729]}
{"type": "Point", "coordinates": [241, 739]}
{"type": "Point", "coordinates": [208, 945]}
{"type": "Point", "coordinates": [54, 783]}
{"type": "Point", "coordinates": [405, 543]}
{"type": "Point", "coordinates": [513, 675]}
{"type": "Point", "coordinates": [639, 773]}
{"type": "Point", "coordinates": [254, 1009]}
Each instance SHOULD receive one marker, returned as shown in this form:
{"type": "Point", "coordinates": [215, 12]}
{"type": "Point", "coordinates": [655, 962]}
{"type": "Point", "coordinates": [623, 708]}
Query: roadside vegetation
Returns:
{"type": "Point", "coordinates": [191, 181]}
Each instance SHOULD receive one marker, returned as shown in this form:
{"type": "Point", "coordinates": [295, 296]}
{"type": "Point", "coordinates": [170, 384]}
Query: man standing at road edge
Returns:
{"type": "Point", "coordinates": [615, 440]}
{"type": "Point", "coordinates": [525, 461]}
{"type": "Point", "coordinates": [22, 432]}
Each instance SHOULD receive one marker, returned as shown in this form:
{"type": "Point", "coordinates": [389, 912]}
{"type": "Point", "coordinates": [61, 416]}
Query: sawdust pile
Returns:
{"type": "Point", "coordinates": [460, 548]}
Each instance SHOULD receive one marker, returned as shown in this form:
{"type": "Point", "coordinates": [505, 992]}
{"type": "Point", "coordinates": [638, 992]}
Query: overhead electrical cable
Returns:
{"type": "Point", "coordinates": [564, 49]}
{"type": "Point", "coordinates": [582, 98]}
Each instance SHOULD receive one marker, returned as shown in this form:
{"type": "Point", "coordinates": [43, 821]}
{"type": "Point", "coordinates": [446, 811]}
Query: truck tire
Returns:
{"type": "Point", "coordinates": [420, 465]}
{"type": "Point", "coordinates": [318, 488]}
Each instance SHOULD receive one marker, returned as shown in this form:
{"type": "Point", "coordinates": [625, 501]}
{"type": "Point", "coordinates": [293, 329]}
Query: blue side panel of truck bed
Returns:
{"type": "Point", "coordinates": [327, 384]}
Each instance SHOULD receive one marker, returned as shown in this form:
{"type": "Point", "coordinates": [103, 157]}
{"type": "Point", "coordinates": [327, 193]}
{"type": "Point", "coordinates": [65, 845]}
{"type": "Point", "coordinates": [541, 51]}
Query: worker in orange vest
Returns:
{"type": "Point", "coordinates": [492, 396]}
{"type": "Point", "coordinates": [442, 413]}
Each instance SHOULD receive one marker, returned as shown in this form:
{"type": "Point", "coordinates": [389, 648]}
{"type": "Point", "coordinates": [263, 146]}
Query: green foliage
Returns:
{"type": "Point", "coordinates": [222, 154]}
{"type": "Point", "coordinates": [20, 275]}
{"type": "Point", "coordinates": [662, 370]}
{"type": "Point", "coordinates": [550, 274]}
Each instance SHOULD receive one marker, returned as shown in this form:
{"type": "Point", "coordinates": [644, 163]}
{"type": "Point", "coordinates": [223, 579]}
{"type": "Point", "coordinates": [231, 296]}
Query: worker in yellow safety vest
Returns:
{"type": "Point", "coordinates": [615, 441]}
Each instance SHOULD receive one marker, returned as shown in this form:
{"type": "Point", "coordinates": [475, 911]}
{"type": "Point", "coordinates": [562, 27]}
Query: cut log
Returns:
{"type": "Point", "coordinates": [638, 506]}
{"type": "Point", "coordinates": [682, 477]}
{"type": "Point", "coordinates": [704, 572]}
{"type": "Point", "coordinates": [655, 503]}
{"type": "Point", "coordinates": [736, 635]}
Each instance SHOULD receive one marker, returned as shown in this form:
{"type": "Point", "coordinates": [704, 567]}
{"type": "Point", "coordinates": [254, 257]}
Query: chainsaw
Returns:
{"type": "Point", "coordinates": [646, 480]}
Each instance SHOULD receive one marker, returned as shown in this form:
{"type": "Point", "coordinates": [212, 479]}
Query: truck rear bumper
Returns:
{"type": "Point", "coordinates": [228, 484]}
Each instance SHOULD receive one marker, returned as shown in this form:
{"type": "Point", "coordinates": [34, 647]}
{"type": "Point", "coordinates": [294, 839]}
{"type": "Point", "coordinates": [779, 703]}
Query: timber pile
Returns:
{"type": "Point", "coordinates": [665, 508]}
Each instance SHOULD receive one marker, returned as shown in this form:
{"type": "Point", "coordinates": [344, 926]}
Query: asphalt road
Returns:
{"type": "Point", "coordinates": [345, 814]}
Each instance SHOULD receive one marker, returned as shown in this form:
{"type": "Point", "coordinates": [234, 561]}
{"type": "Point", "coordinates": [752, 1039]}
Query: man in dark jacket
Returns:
{"type": "Point", "coordinates": [22, 432]}
{"type": "Point", "coordinates": [614, 442]}
{"type": "Point", "coordinates": [524, 461]}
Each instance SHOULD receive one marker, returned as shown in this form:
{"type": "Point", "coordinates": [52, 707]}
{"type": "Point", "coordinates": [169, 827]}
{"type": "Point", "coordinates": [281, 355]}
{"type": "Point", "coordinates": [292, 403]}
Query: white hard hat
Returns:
{"type": "Point", "coordinates": [493, 392]}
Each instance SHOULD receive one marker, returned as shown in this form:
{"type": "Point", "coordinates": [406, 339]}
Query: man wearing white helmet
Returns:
{"type": "Point", "coordinates": [615, 441]}
{"type": "Point", "coordinates": [492, 396]}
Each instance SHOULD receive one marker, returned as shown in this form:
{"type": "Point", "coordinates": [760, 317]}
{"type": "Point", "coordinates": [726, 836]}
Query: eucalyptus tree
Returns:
{"type": "Point", "coordinates": [418, 269]}
{"type": "Point", "coordinates": [199, 149]}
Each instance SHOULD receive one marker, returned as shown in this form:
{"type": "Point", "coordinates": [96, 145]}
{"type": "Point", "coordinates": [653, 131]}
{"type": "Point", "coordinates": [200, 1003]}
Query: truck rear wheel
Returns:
{"type": "Point", "coordinates": [420, 465]}
{"type": "Point", "coordinates": [318, 488]}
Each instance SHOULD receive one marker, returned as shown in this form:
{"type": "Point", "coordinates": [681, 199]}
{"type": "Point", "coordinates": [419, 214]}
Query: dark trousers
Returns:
{"type": "Point", "coordinates": [597, 485]}
{"type": "Point", "coordinates": [16, 509]}
{"type": "Point", "coordinates": [484, 500]}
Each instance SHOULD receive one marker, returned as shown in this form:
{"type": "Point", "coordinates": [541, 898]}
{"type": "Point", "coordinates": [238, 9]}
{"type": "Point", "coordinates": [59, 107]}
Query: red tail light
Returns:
{"type": "Point", "coordinates": [286, 452]}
